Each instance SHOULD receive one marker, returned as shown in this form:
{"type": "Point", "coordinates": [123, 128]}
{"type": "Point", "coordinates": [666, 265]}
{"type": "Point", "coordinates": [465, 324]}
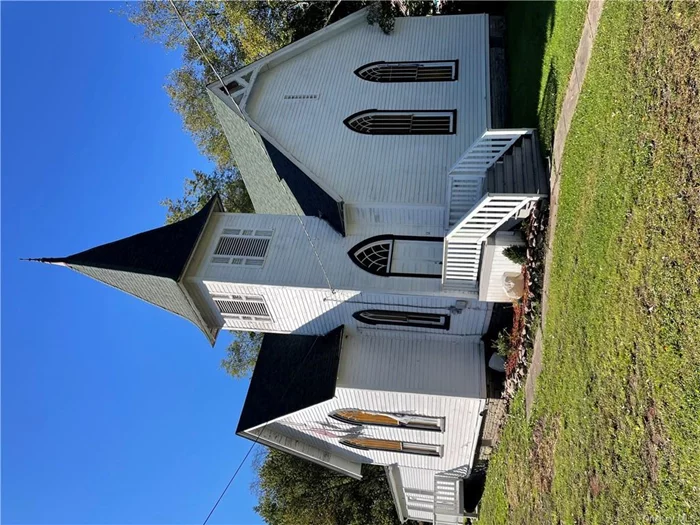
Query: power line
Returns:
{"type": "Point", "coordinates": [240, 465]}
{"type": "Point", "coordinates": [303, 226]}
{"type": "Point", "coordinates": [284, 186]}
{"type": "Point", "coordinates": [257, 438]}
{"type": "Point", "coordinates": [255, 442]}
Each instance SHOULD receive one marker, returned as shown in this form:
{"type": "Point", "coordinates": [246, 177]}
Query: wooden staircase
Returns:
{"type": "Point", "coordinates": [484, 202]}
{"type": "Point", "coordinates": [520, 170]}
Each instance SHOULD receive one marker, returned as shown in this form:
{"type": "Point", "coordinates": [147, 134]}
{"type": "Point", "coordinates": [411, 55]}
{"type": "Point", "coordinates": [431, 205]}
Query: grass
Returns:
{"type": "Point", "coordinates": [615, 432]}
{"type": "Point", "coordinates": [542, 38]}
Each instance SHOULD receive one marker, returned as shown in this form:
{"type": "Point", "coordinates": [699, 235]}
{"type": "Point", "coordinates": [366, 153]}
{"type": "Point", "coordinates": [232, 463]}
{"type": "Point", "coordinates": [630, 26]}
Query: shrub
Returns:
{"type": "Point", "coordinates": [502, 344]}
{"type": "Point", "coordinates": [517, 254]}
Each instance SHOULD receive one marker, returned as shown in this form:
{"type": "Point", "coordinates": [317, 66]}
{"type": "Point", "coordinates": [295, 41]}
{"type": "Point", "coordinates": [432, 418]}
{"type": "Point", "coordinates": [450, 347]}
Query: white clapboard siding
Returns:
{"type": "Point", "coordinates": [363, 168]}
{"type": "Point", "coordinates": [291, 261]}
{"type": "Point", "coordinates": [418, 480]}
{"type": "Point", "coordinates": [376, 218]}
{"type": "Point", "coordinates": [317, 311]}
{"type": "Point", "coordinates": [428, 366]}
{"type": "Point", "coordinates": [458, 441]}
{"type": "Point", "coordinates": [462, 414]}
{"type": "Point", "coordinates": [496, 265]}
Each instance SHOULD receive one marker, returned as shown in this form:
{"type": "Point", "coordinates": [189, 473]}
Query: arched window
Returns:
{"type": "Point", "coordinates": [415, 319]}
{"type": "Point", "coordinates": [399, 256]}
{"type": "Point", "coordinates": [374, 256]}
{"type": "Point", "coordinates": [353, 416]}
{"type": "Point", "coordinates": [390, 445]}
{"type": "Point", "coordinates": [427, 71]}
{"type": "Point", "coordinates": [403, 122]}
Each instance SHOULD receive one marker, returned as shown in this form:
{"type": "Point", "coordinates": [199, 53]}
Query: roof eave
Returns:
{"type": "Point", "coordinates": [291, 50]}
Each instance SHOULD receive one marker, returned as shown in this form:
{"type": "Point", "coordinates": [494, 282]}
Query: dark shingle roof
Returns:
{"type": "Point", "coordinates": [150, 265]}
{"type": "Point", "coordinates": [261, 166]}
{"type": "Point", "coordinates": [163, 252]}
{"type": "Point", "coordinates": [313, 200]}
{"type": "Point", "coordinates": [259, 175]}
{"type": "Point", "coordinates": [292, 372]}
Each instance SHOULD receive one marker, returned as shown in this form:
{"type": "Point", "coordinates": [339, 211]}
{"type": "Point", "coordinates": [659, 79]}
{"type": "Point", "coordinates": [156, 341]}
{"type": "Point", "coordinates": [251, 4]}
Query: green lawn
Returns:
{"type": "Point", "coordinates": [615, 432]}
{"type": "Point", "coordinates": [542, 39]}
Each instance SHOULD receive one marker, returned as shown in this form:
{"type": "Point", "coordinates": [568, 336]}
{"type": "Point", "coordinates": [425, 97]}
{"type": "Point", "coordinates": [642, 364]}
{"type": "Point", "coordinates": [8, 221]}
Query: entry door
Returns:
{"type": "Point", "coordinates": [416, 257]}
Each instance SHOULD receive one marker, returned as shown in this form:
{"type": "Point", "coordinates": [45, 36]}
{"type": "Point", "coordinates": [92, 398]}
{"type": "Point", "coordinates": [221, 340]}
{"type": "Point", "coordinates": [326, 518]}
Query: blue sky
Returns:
{"type": "Point", "coordinates": [112, 410]}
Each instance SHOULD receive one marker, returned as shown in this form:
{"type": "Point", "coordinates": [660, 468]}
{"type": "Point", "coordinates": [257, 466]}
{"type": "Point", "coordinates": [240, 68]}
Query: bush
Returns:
{"type": "Point", "coordinates": [502, 344]}
{"type": "Point", "coordinates": [517, 254]}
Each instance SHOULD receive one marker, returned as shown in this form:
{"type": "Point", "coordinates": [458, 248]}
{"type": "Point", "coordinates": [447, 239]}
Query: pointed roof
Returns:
{"type": "Point", "coordinates": [275, 180]}
{"type": "Point", "coordinates": [150, 265]}
{"type": "Point", "coordinates": [292, 372]}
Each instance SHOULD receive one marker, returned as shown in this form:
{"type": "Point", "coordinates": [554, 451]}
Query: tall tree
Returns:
{"type": "Point", "coordinates": [200, 188]}
{"type": "Point", "coordinates": [292, 491]}
{"type": "Point", "coordinates": [242, 354]}
{"type": "Point", "coordinates": [233, 34]}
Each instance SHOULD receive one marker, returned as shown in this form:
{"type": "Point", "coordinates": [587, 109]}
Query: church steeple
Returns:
{"type": "Point", "coordinates": [150, 265]}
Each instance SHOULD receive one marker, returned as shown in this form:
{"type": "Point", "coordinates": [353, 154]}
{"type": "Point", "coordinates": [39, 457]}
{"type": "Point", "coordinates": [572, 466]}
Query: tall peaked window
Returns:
{"type": "Point", "coordinates": [399, 256]}
{"type": "Point", "coordinates": [427, 71]}
{"type": "Point", "coordinates": [242, 247]}
{"type": "Point", "coordinates": [354, 416]}
{"type": "Point", "coordinates": [389, 445]}
{"type": "Point", "coordinates": [414, 319]}
{"type": "Point", "coordinates": [403, 122]}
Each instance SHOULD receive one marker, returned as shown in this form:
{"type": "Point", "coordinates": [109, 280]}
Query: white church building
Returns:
{"type": "Point", "coordinates": [384, 184]}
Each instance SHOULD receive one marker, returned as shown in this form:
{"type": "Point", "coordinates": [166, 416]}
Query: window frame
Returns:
{"type": "Point", "coordinates": [451, 113]}
{"type": "Point", "coordinates": [454, 77]}
{"type": "Point", "coordinates": [443, 324]}
{"type": "Point", "coordinates": [352, 253]}
{"type": "Point", "coordinates": [404, 447]}
{"type": "Point", "coordinates": [439, 421]}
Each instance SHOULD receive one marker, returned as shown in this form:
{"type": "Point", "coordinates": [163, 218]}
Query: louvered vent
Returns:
{"type": "Point", "coordinates": [300, 97]}
{"type": "Point", "coordinates": [242, 308]}
{"type": "Point", "coordinates": [242, 248]}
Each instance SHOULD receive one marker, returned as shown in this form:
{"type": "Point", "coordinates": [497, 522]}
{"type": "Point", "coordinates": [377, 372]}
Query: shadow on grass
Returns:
{"type": "Point", "coordinates": [548, 110]}
{"type": "Point", "coordinates": [528, 25]}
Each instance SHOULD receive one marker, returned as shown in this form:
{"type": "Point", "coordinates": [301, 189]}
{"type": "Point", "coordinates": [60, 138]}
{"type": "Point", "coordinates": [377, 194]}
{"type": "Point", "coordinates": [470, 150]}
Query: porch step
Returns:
{"type": "Point", "coordinates": [464, 242]}
{"type": "Point", "coordinates": [520, 170]}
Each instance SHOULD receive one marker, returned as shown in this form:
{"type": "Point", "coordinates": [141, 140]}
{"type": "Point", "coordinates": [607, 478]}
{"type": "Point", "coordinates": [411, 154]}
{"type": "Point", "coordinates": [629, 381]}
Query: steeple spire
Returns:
{"type": "Point", "coordinates": [149, 265]}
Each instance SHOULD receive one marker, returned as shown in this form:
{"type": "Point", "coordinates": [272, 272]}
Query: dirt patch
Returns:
{"type": "Point", "coordinates": [544, 440]}
{"type": "Point", "coordinates": [645, 299]}
{"type": "Point", "coordinates": [632, 389]}
{"type": "Point", "coordinates": [595, 486]}
{"type": "Point", "coordinates": [653, 442]}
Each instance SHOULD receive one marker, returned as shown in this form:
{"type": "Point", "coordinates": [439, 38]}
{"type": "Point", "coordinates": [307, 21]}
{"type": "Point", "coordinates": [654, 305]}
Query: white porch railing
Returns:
{"type": "Point", "coordinates": [464, 191]}
{"type": "Point", "coordinates": [486, 150]}
{"type": "Point", "coordinates": [462, 247]}
{"type": "Point", "coordinates": [447, 496]}
{"type": "Point", "coordinates": [467, 177]}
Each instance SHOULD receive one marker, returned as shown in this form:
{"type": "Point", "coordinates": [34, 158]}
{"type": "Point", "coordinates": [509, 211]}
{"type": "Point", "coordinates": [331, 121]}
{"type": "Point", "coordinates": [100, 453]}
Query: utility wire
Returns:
{"type": "Point", "coordinates": [257, 438]}
{"type": "Point", "coordinates": [308, 236]}
{"type": "Point", "coordinates": [228, 93]}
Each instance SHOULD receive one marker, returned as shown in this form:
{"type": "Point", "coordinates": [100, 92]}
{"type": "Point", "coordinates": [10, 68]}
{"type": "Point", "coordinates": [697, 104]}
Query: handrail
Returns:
{"type": "Point", "coordinates": [486, 150]}
{"type": "Point", "coordinates": [463, 243]}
